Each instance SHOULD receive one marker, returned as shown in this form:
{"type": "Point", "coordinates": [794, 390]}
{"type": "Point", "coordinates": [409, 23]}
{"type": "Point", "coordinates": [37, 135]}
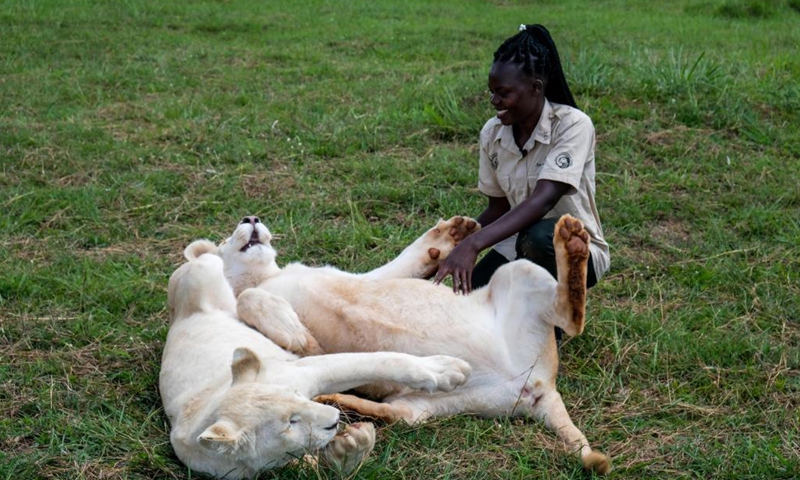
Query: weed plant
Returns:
{"type": "Point", "coordinates": [129, 129]}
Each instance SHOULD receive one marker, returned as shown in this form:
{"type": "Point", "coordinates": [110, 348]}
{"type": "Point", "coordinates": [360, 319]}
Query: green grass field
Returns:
{"type": "Point", "coordinates": [129, 129]}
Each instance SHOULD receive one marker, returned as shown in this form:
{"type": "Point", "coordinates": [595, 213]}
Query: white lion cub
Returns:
{"type": "Point", "coordinates": [504, 330]}
{"type": "Point", "coordinates": [237, 403]}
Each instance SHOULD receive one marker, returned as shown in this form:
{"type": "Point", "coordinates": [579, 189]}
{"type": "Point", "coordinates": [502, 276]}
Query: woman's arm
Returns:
{"type": "Point", "coordinates": [461, 260]}
{"type": "Point", "coordinates": [498, 206]}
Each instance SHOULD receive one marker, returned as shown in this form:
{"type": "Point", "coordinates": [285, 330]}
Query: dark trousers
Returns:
{"type": "Point", "coordinates": [535, 243]}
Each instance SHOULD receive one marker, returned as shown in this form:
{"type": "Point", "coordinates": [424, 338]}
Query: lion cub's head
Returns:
{"type": "Point", "coordinates": [247, 254]}
{"type": "Point", "coordinates": [266, 425]}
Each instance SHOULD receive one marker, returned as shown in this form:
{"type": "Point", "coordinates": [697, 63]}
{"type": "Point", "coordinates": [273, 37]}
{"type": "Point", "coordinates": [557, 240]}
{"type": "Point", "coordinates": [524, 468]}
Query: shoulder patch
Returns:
{"type": "Point", "coordinates": [564, 160]}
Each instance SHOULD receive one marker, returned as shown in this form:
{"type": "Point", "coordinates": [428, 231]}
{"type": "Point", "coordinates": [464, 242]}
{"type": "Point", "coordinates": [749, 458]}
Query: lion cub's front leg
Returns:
{"type": "Point", "coordinates": [422, 258]}
{"type": "Point", "coordinates": [275, 318]}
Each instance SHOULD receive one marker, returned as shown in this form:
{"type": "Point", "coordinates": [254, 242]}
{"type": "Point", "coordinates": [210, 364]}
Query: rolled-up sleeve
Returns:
{"type": "Point", "coordinates": [487, 174]}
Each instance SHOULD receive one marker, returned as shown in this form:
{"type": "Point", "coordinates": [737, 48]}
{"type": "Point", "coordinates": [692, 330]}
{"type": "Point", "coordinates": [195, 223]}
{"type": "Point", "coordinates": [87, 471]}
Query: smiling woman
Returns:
{"type": "Point", "coordinates": [536, 164]}
{"type": "Point", "coordinates": [129, 129]}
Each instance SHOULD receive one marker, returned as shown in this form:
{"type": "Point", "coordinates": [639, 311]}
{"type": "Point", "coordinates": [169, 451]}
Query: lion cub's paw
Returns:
{"type": "Point", "coordinates": [446, 234]}
{"type": "Point", "coordinates": [445, 373]}
{"type": "Point", "coordinates": [458, 228]}
{"type": "Point", "coordinates": [572, 237]}
{"type": "Point", "coordinates": [596, 462]}
{"type": "Point", "coordinates": [350, 446]}
{"type": "Point", "coordinates": [571, 243]}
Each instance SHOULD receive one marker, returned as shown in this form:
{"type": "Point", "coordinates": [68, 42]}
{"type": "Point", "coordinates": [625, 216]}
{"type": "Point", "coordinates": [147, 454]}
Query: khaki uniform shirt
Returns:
{"type": "Point", "coordinates": [561, 148]}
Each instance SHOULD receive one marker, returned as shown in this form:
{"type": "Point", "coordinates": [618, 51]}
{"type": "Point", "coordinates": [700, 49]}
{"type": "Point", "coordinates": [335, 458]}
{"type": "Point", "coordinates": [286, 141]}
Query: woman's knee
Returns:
{"type": "Point", "coordinates": [535, 243]}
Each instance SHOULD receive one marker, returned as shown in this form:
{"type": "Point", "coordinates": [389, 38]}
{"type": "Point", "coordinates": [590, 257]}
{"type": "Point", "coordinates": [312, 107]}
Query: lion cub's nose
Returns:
{"type": "Point", "coordinates": [250, 219]}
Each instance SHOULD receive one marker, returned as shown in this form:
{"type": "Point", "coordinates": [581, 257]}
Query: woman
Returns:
{"type": "Point", "coordinates": [536, 164]}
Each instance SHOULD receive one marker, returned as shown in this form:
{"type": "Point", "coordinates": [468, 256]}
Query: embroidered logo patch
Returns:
{"type": "Point", "coordinates": [493, 160]}
{"type": "Point", "coordinates": [563, 160]}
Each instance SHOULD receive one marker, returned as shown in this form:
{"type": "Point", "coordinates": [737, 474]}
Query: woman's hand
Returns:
{"type": "Point", "coordinates": [459, 264]}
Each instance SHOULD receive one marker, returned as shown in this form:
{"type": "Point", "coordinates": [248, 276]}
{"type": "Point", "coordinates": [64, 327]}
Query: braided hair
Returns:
{"type": "Point", "coordinates": [535, 52]}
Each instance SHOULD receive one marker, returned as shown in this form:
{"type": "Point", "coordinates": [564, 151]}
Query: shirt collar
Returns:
{"type": "Point", "coordinates": [544, 129]}
{"type": "Point", "coordinates": [542, 133]}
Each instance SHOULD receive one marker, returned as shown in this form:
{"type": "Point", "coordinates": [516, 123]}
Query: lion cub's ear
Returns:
{"type": "Point", "coordinates": [199, 247]}
{"type": "Point", "coordinates": [245, 366]}
{"type": "Point", "coordinates": [219, 434]}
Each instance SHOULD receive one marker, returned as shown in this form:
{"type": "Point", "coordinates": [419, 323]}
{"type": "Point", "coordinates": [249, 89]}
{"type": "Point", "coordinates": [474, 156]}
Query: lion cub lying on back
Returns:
{"type": "Point", "coordinates": [504, 330]}
{"type": "Point", "coordinates": [237, 403]}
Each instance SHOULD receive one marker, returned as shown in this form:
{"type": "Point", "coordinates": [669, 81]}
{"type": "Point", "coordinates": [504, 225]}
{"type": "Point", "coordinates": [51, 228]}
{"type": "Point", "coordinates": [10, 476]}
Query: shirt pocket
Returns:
{"type": "Point", "coordinates": [515, 188]}
{"type": "Point", "coordinates": [505, 183]}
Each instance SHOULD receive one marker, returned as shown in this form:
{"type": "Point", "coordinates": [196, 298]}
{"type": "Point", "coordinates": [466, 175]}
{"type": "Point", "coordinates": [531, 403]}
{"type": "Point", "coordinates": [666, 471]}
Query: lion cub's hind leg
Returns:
{"type": "Point", "coordinates": [571, 243]}
{"type": "Point", "coordinates": [275, 318]}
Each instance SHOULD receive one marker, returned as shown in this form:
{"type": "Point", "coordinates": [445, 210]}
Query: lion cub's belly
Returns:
{"type": "Point", "coordinates": [406, 315]}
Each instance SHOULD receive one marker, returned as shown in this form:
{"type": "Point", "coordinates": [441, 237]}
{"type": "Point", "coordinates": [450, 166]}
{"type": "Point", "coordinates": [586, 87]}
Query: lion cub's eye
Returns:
{"type": "Point", "coordinates": [294, 419]}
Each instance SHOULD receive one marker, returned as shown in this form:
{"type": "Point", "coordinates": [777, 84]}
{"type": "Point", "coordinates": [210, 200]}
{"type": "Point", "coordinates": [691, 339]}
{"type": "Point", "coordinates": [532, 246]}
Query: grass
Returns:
{"type": "Point", "coordinates": [129, 129]}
